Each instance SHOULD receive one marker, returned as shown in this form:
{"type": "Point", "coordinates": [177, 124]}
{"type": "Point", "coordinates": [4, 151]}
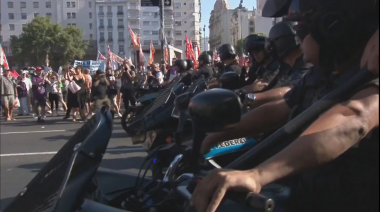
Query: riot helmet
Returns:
{"type": "Point", "coordinates": [204, 59]}
{"type": "Point", "coordinates": [282, 40]}
{"type": "Point", "coordinates": [226, 51]}
{"type": "Point", "coordinates": [255, 47]}
{"type": "Point", "coordinates": [181, 64]}
{"type": "Point", "coordinates": [190, 64]}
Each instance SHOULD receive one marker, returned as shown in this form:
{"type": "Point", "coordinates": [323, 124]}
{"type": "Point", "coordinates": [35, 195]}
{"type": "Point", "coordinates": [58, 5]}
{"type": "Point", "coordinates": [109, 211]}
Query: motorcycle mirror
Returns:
{"type": "Point", "coordinates": [276, 8]}
{"type": "Point", "coordinates": [215, 110]}
{"type": "Point", "coordinates": [230, 80]}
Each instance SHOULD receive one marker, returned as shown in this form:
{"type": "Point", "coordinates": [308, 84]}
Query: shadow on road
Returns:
{"type": "Point", "coordinates": [5, 202]}
{"type": "Point", "coordinates": [123, 163]}
{"type": "Point", "coordinates": [34, 122]}
{"type": "Point", "coordinates": [58, 137]}
{"type": "Point", "coordinates": [131, 149]}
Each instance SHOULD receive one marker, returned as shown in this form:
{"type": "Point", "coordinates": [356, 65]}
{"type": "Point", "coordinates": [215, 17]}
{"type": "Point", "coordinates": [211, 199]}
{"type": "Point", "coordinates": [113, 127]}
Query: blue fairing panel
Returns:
{"type": "Point", "coordinates": [231, 146]}
{"type": "Point", "coordinates": [148, 97]}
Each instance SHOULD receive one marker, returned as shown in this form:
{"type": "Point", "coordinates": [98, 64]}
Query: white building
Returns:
{"type": "Point", "coordinates": [16, 13]}
{"type": "Point", "coordinates": [205, 46]}
{"type": "Point", "coordinates": [220, 24]}
{"type": "Point", "coordinates": [242, 24]}
{"type": "Point", "coordinates": [114, 17]}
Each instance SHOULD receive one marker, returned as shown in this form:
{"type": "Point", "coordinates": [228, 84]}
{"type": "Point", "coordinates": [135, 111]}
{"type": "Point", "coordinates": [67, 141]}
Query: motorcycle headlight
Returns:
{"type": "Point", "coordinates": [150, 137]}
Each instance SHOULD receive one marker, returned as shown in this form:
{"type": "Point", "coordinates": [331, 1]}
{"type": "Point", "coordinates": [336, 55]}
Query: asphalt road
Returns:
{"type": "Point", "coordinates": [27, 146]}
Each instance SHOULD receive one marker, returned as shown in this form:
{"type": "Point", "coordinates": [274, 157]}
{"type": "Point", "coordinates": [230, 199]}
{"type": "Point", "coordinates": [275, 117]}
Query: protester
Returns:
{"type": "Point", "coordinates": [8, 93]}
{"type": "Point", "coordinates": [54, 94]}
{"type": "Point", "coordinates": [112, 91]}
{"type": "Point", "coordinates": [22, 92]}
{"type": "Point", "coordinates": [39, 93]}
{"type": "Point", "coordinates": [118, 87]}
{"type": "Point", "coordinates": [76, 100]}
{"type": "Point", "coordinates": [99, 92]}
{"type": "Point", "coordinates": [88, 85]}
{"type": "Point", "coordinates": [158, 73]}
{"type": "Point", "coordinates": [127, 87]}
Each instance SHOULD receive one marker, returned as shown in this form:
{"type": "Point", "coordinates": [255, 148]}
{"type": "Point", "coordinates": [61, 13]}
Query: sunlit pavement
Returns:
{"type": "Point", "coordinates": [26, 146]}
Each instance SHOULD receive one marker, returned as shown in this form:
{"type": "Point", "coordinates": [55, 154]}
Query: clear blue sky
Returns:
{"type": "Point", "coordinates": [208, 6]}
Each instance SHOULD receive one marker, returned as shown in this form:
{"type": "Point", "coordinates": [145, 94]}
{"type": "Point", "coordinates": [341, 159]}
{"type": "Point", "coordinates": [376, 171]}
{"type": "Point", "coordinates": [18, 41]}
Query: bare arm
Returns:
{"type": "Point", "coordinates": [326, 139]}
{"type": "Point", "coordinates": [269, 96]}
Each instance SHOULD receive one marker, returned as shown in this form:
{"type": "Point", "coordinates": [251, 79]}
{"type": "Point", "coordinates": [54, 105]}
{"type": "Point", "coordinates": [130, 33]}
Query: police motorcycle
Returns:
{"type": "Point", "coordinates": [70, 179]}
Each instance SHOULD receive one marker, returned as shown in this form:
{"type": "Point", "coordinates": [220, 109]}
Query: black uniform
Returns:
{"type": "Point", "coordinates": [207, 71]}
{"type": "Point", "coordinates": [269, 74]}
{"type": "Point", "coordinates": [234, 66]}
{"type": "Point", "coordinates": [290, 76]}
{"type": "Point", "coordinates": [352, 180]}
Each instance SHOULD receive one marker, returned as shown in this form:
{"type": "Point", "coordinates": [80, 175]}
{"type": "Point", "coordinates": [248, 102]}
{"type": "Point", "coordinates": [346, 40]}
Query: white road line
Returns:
{"type": "Point", "coordinates": [53, 153]}
{"type": "Point", "coordinates": [26, 132]}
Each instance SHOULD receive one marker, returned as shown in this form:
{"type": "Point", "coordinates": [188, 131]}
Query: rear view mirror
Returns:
{"type": "Point", "coordinates": [215, 110]}
{"type": "Point", "coordinates": [230, 80]}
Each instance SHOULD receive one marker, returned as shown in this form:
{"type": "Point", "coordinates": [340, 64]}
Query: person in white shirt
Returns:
{"type": "Point", "coordinates": [28, 82]}
{"type": "Point", "coordinates": [158, 74]}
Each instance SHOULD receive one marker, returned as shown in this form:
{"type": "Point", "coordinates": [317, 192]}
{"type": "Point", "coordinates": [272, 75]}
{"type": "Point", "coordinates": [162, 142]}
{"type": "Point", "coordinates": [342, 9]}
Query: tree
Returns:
{"type": "Point", "coordinates": [42, 37]}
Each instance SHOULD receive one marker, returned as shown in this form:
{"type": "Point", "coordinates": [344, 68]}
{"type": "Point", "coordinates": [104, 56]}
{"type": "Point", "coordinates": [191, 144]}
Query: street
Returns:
{"type": "Point", "coordinates": [27, 146]}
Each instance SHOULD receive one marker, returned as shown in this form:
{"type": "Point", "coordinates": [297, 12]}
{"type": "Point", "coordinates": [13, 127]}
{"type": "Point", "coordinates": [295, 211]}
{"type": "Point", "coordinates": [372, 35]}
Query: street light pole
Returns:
{"type": "Point", "coordinates": [204, 38]}
{"type": "Point", "coordinates": [162, 34]}
{"type": "Point", "coordinates": [241, 27]}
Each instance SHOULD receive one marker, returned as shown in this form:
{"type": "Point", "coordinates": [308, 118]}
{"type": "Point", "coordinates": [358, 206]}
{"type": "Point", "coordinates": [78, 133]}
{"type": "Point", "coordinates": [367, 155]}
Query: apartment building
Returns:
{"type": "Point", "coordinates": [220, 24]}
{"type": "Point", "coordinates": [14, 14]}
{"type": "Point", "coordinates": [242, 24]}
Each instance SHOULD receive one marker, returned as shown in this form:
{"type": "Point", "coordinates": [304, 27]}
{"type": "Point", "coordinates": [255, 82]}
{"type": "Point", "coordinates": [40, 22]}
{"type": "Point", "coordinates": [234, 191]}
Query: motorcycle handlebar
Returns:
{"type": "Point", "coordinates": [256, 202]}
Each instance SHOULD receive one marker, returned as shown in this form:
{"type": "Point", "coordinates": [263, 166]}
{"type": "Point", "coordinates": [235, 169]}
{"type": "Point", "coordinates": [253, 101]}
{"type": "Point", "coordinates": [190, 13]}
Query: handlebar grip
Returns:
{"type": "Point", "coordinates": [253, 201]}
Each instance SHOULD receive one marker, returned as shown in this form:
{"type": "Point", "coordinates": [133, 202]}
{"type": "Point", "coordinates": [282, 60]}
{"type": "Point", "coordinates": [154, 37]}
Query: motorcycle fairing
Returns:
{"type": "Point", "coordinates": [231, 146]}
{"type": "Point", "coordinates": [148, 97]}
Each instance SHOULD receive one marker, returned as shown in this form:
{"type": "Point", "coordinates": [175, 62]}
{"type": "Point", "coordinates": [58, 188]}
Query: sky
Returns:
{"type": "Point", "coordinates": [208, 6]}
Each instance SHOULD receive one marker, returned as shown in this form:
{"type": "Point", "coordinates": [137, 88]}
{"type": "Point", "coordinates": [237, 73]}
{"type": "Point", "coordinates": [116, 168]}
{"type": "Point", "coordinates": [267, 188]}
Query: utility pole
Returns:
{"type": "Point", "coordinates": [162, 33]}
{"type": "Point", "coordinates": [241, 26]}
{"type": "Point", "coordinates": [204, 38]}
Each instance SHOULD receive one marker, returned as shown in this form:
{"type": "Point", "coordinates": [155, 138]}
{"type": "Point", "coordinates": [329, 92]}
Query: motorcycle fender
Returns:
{"type": "Point", "coordinates": [231, 146]}
{"type": "Point", "coordinates": [112, 183]}
{"type": "Point", "coordinates": [148, 97]}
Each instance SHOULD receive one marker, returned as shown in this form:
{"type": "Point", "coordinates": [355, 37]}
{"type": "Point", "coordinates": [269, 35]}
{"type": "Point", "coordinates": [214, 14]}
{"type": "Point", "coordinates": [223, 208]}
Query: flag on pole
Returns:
{"type": "Point", "coordinates": [141, 54]}
{"type": "Point", "coordinates": [3, 59]}
{"type": "Point", "coordinates": [152, 52]}
{"type": "Point", "coordinates": [109, 58]}
{"type": "Point", "coordinates": [101, 57]}
{"type": "Point", "coordinates": [166, 49]}
{"type": "Point", "coordinates": [187, 48]}
{"type": "Point", "coordinates": [135, 40]}
{"type": "Point", "coordinates": [199, 51]}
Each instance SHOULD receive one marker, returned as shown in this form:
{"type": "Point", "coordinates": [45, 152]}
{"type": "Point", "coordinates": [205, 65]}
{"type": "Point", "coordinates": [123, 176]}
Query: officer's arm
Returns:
{"type": "Point", "coordinates": [262, 119]}
{"type": "Point", "coordinates": [268, 96]}
{"type": "Point", "coordinates": [331, 135]}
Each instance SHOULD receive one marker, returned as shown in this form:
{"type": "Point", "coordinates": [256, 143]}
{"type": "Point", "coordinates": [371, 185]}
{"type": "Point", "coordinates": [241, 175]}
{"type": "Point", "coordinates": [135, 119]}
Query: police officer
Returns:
{"type": "Point", "coordinates": [265, 70]}
{"type": "Point", "coordinates": [284, 45]}
{"type": "Point", "coordinates": [205, 67]}
{"type": "Point", "coordinates": [227, 55]}
{"type": "Point", "coordinates": [341, 147]}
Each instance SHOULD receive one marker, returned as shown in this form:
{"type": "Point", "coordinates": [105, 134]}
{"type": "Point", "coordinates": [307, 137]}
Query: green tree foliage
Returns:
{"type": "Point", "coordinates": [42, 37]}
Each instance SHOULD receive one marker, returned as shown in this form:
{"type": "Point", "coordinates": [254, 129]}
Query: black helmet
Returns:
{"type": "Point", "coordinates": [190, 64]}
{"type": "Point", "coordinates": [229, 80]}
{"type": "Point", "coordinates": [205, 58]}
{"type": "Point", "coordinates": [254, 43]}
{"type": "Point", "coordinates": [282, 40]}
{"type": "Point", "coordinates": [226, 51]}
{"type": "Point", "coordinates": [209, 53]}
{"type": "Point", "coordinates": [181, 64]}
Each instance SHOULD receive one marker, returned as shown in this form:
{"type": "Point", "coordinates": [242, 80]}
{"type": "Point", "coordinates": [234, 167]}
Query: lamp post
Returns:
{"type": "Point", "coordinates": [204, 38]}
{"type": "Point", "coordinates": [241, 27]}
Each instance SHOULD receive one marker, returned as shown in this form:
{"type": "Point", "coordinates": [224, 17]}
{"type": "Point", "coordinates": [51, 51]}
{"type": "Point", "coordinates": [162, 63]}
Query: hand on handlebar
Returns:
{"type": "Point", "coordinates": [217, 183]}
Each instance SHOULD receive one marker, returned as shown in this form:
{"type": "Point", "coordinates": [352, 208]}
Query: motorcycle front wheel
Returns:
{"type": "Point", "coordinates": [127, 119]}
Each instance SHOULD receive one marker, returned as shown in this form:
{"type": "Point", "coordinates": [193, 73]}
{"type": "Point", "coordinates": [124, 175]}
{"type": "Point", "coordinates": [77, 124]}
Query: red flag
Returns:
{"type": "Point", "coordinates": [188, 49]}
{"type": "Point", "coordinates": [141, 54]}
{"type": "Point", "coordinates": [3, 58]}
{"type": "Point", "coordinates": [152, 51]}
{"type": "Point", "coordinates": [109, 58]}
{"type": "Point", "coordinates": [199, 51]}
{"type": "Point", "coordinates": [101, 57]}
{"type": "Point", "coordinates": [14, 74]}
{"type": "Point", "coordinates": [135, 40]}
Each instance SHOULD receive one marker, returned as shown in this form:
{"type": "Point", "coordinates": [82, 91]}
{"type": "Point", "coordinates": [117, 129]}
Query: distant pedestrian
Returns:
{"type": "Point", "coordinates": [39, 93]}
{"type": "Point", "coordinates": [8, 93]}
{"type": "Point", "coordinates": [22, 92]}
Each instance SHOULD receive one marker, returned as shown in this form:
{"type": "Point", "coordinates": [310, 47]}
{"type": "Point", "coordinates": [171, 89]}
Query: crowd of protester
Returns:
{"type": "Point", "coordinates": [40, 93]}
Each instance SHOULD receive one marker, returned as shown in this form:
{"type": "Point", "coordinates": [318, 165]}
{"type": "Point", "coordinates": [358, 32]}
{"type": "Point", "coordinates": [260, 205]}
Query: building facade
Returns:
{"type": "Point", "coordinates": [16, 13]}
{"type": "Point", "coordinates": [220, 24]}
{"type": "Point", "coordinates": [105, 22]}
{"type": "Point", "coordinates": [242, 24]}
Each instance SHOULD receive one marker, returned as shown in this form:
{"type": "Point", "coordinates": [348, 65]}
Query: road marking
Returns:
{"type": "Point", "coordinates": [26, 132]}
{"type": "Point", "coordinates": [53, 153]}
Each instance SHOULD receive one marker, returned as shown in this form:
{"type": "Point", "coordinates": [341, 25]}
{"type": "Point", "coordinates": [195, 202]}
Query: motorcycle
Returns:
{"type": "Point", "coordinates": [72, 178]}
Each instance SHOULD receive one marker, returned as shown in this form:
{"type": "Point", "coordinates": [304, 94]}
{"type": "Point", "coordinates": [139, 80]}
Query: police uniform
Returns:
{"type": "Point", "coordinates": [290, 76]}
{"type": "Point", "coordinates": [269, 73]}
{"type": "Point", "coordinates": [350, 183]}
{"type": "Point", "coordinates": [234, 66]}
{"type": "Point", "coordinates": [207, 71]}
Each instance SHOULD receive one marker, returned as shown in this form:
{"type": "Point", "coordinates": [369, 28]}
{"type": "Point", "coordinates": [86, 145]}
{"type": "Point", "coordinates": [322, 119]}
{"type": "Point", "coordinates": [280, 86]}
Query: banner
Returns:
{"type": "Point", "coordinates": [90, 64]}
